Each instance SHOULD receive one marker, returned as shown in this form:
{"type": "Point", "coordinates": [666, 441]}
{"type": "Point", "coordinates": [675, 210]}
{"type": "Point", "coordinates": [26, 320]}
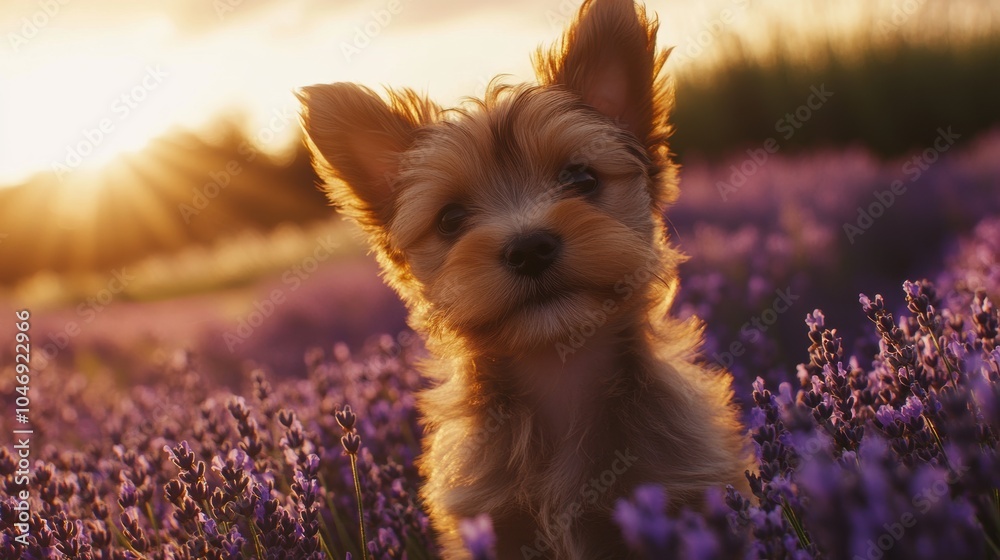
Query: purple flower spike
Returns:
{"type": "Point", "coordinates": [884, 445]}
{"type": "Point", "coordinates": [885, 415]}
{"type": "Point", "coordinates": [351, 443]}
{"type": "Point", "coordinates": [346, 418]}
{"type": "Point", "coordinates": [127, 497]}
{"type": "Point", "coordinates": [912, 409]}
{"type": "Point", "coordinates": [816, 320]}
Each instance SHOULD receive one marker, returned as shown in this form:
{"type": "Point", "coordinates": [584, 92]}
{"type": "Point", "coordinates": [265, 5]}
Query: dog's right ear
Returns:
{"type": "Point", "coordinates": [357, 141]}
{"type": "Point", "coordinates": [608, 57]}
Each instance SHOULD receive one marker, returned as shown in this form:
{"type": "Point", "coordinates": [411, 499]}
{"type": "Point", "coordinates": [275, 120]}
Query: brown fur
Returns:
{"type": "Point", "coordinates": [543, 385]}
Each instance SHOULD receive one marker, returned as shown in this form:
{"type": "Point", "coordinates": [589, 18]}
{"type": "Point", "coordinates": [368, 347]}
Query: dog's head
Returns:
{"type": "Point", "coordinates": [515, 219]}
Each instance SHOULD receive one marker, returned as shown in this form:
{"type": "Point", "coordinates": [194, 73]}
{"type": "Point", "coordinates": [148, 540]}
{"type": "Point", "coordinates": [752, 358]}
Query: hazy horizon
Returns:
{"type": "Point", "coordinates": [107, 78]}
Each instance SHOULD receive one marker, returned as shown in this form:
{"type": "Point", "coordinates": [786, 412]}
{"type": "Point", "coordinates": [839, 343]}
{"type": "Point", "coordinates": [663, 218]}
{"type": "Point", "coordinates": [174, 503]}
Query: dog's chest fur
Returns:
{"type": "Point", "coordinates": [562, 387]}
{"type": "Point", "coordinates": [560, 442]}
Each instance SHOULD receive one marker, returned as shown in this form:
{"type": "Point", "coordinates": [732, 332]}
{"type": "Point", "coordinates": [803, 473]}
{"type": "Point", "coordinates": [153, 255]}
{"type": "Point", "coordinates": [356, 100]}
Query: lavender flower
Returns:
{"type": "Point", "coordinates": [882, 442]}
{"type": "Point", "coordinates": [645, 524]}
{"type": "Point", "coordinates": [477, 534]}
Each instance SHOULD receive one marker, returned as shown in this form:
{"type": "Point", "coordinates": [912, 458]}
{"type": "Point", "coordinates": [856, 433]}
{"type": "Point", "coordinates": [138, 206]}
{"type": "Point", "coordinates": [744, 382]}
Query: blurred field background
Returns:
{"type": "Point", "coordinates": [202, 259]}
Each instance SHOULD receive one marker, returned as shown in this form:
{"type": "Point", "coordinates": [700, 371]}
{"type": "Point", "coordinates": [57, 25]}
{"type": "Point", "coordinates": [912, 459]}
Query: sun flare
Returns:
{"type": "Point", "coordinates": [82, 86]}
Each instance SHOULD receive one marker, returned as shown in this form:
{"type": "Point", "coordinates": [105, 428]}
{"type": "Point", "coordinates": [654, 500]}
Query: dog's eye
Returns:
{"type": "Point", "coordinates": [450, 219]}
{"type": "Point", "coordinates": [580, 179]}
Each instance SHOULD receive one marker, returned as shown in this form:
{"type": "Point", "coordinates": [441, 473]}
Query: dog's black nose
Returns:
{"type": "Point", "coordinates": [530, 255]}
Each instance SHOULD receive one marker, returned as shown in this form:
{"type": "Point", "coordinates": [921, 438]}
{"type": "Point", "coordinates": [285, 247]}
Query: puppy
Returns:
{"type": "Point", "coordinates": [525, 234]}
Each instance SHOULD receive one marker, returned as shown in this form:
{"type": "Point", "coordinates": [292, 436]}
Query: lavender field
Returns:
{"type": "Point", "coordinates": [851, 297]}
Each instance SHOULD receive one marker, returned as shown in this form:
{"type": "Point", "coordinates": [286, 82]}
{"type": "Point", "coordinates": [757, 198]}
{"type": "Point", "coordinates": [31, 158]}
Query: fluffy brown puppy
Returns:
{"type": "Point", "coordinates": [525, 233]}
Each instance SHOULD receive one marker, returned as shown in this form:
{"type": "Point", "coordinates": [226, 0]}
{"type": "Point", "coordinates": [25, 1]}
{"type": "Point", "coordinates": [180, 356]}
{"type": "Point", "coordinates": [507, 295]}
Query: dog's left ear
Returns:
{"type": "Point", "coordinates": [357, 140]}
{"type": "Point", "coordinates": [608, 56]}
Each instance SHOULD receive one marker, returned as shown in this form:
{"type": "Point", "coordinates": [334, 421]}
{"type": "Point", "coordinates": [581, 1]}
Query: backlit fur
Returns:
{"type": "Point", "coordinates": [542, 385]}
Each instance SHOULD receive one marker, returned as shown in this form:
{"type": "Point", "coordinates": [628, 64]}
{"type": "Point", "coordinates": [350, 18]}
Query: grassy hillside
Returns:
{"type": "Point", "coordinates": [892, 86]}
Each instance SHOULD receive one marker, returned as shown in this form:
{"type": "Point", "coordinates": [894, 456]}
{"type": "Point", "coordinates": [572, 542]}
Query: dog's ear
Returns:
{"type": "Point", "coordinates": [357, 141]}
{"type": "Point", "coordinates": [608, 57]}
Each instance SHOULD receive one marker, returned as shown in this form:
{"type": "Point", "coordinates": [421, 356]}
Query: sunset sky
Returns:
{"type": "Point", "coordinates": [114, 74]}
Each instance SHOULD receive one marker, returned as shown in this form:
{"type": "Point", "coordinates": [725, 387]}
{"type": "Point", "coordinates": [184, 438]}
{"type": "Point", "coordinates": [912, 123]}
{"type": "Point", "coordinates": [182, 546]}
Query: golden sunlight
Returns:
{"type": "Point", "coordinates": [69, 115]}
{"type": "Point", "coordinates": [82, 85]}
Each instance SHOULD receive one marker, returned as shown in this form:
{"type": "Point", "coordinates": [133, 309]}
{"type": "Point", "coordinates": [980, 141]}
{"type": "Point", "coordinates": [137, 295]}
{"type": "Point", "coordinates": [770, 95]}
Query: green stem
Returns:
{"type": "Point", "coordinates": [124, 540]}
{"type": "Point", "coordinates": [326, 548]}
{"type": "Point", "coordinates": [152, 519]}
{"type": "Point", "coordinates": [361, 511]}
{"type": "Point", "coordinates": [256, 540]}
{"type": "Point", "coordinates": [414, 550]}
{"type": "Point", "coordinates": [940, 351]}
{"type": "Point", "coordinates": [937, 436]}
{"type": "Point", "coordinates": [324, 532]}
{"type": "Point", "coordinates": [993, 545]}
{"type": "Point", "coordinates": [338, 523]}
{"type": "Point", "coordinates": [996, 502]}
{"type": "Point", "coordinates": [994, 516]}
{"type": "Point", "coordinates": [794, 522]}
{"type": "Point", "coordinates": [219, 521]}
